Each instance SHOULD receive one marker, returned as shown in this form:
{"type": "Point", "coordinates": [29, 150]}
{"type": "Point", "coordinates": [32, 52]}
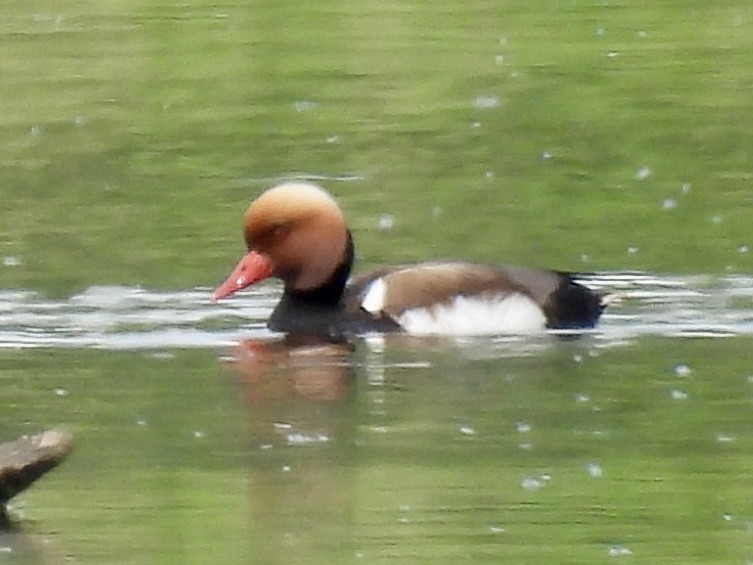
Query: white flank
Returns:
{"type": "Point", "coordinates": [514, 314]}
{"type": "Point", "coordinates": [373, 301]}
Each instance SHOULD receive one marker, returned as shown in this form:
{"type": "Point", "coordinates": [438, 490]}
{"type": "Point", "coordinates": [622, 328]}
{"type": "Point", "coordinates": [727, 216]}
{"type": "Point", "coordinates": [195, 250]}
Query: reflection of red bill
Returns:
{"type": "Point", "coordinates": [253, 267]}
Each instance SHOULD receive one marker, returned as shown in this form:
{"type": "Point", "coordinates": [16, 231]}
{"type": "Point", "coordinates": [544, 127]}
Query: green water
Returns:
{"type": "Point", "coordinates": [134, 133]}
{"type": "Point", "coordinates": [592, 136]}
{"type": "Point", "coordinates": [418, 454]}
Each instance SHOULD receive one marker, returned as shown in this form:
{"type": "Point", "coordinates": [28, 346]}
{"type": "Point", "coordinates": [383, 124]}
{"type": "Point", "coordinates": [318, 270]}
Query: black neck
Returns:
{"type": "Point", "coordinates": [321, 312]}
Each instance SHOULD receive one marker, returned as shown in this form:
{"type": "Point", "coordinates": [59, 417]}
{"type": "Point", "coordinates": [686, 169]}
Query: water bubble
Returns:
{"type": "Point", "coordinates": [594, 470]}
{"type": "Point", "coordinates": [678, 394]}
{"type": "Point", "coordinates": [304, 106]}
{"type": "Point", "coordinates": [531, 484]}
{"type": "Point", "coordinates": [165, 355]}
{"type": "Point", "coordinates": [618, 551]}
{"type": "Point", "coordinates": [522, 427]}
{"type": "Point", "coordinates": [141, 422]}
{"type": "Point", "coordinates": [727, 517]}
{"type": "Point", "coordinates": [297, 438]}
{"type": "Point", "coordinates": [386, 222]}
{"type": "Point", "coordinates": [61, 392]}
{"type": "Point", "coordinates": [682, 370]}
{"type": "Point", "coordinates": [668, 204]}
{"type": "Point", "coordinates": [467, 430]}
{"type": "Point", "coordinates": [643, 172]}
{"type": "Point", "coordinates": [285, 468]}
{"type": "Point", "coordinates": [486, 102]}
{"type": "Point", "coordinates": [198, 434]}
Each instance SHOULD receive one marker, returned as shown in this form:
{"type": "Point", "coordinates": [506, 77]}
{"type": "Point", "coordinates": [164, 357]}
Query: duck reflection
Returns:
{"type": "Point", "coordinates": [299, 397]}
{"type": "Point", "coordinates": [293, 367]}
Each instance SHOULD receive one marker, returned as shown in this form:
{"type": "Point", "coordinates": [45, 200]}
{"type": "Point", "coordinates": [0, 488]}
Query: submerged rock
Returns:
{"type": "Point", "coordinates": [25, 460]}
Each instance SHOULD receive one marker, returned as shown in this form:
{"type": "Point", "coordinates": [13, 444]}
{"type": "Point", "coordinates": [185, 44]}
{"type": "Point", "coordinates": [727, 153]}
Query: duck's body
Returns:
{"type": "Point", "coordinates": [296, 232]}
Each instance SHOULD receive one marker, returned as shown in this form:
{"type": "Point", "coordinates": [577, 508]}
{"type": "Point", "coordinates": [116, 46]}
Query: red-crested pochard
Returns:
{"type": "Point", "coordinates": [296, 232]}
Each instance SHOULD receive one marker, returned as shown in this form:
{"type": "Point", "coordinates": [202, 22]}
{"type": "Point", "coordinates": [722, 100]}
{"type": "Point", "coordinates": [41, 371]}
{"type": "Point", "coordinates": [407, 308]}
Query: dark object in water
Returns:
{"type": "Point", "coordinates": [26, 459]}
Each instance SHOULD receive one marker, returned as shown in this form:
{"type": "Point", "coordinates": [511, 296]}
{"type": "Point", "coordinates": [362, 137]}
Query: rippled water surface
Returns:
{"type": "Point", "coordinates": [204, 437]}
{"type": "Point", "coordinates": [136, 318]}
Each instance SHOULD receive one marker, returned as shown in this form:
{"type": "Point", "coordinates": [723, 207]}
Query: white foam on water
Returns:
{"type": "Point", "coordinates": [120, 317]}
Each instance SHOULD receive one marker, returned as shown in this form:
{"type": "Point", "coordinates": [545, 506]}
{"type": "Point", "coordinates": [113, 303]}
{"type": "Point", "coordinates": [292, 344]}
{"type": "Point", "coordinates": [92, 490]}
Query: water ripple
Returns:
{"type": "Point", "coordinates": [118, 317]}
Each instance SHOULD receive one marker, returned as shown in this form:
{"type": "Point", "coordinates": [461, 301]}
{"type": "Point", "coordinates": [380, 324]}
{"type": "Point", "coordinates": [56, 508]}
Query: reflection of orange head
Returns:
{"type": "Point", "coordinates": [292, 368]}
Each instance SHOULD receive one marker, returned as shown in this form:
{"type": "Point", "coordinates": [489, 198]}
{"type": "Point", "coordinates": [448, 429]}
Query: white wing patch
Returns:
{"type": "Point", "coordinates": [373, 300]}
{"type": "Point", "coordinates": [474, 315]}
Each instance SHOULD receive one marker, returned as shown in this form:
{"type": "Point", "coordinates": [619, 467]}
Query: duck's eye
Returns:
{"type": "Point", "coordinates": [268, 236]}
{"type": "Point", "coordinates": [277, 232]}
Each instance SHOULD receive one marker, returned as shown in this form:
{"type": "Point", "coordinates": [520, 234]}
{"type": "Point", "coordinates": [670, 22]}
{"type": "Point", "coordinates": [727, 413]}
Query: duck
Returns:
{"type": "Point", "coordinates": [296, 232]}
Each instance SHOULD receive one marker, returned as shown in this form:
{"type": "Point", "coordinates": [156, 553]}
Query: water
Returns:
{"type": "Point", "coordinates": [139, 319]}
{"type": "Point", "coordinates": [204, 437]}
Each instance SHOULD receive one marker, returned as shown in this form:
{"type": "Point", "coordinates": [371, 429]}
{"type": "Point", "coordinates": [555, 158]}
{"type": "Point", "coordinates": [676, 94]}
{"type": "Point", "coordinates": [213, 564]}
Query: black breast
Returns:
{"type": "Point", "coordinates": [321, 312]}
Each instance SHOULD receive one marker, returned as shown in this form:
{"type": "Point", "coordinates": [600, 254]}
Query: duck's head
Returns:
{"type": "Point", "coordinates": [295, 232]}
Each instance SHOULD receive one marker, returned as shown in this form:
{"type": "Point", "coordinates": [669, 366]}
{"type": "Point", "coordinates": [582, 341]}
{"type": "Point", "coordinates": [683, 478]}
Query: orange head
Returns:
{"type": "Point", "coordinates": [295, 232]}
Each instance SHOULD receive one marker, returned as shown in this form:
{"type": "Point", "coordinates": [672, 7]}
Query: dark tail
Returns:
{"type": "Point", "coordinates": [574, 306]}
